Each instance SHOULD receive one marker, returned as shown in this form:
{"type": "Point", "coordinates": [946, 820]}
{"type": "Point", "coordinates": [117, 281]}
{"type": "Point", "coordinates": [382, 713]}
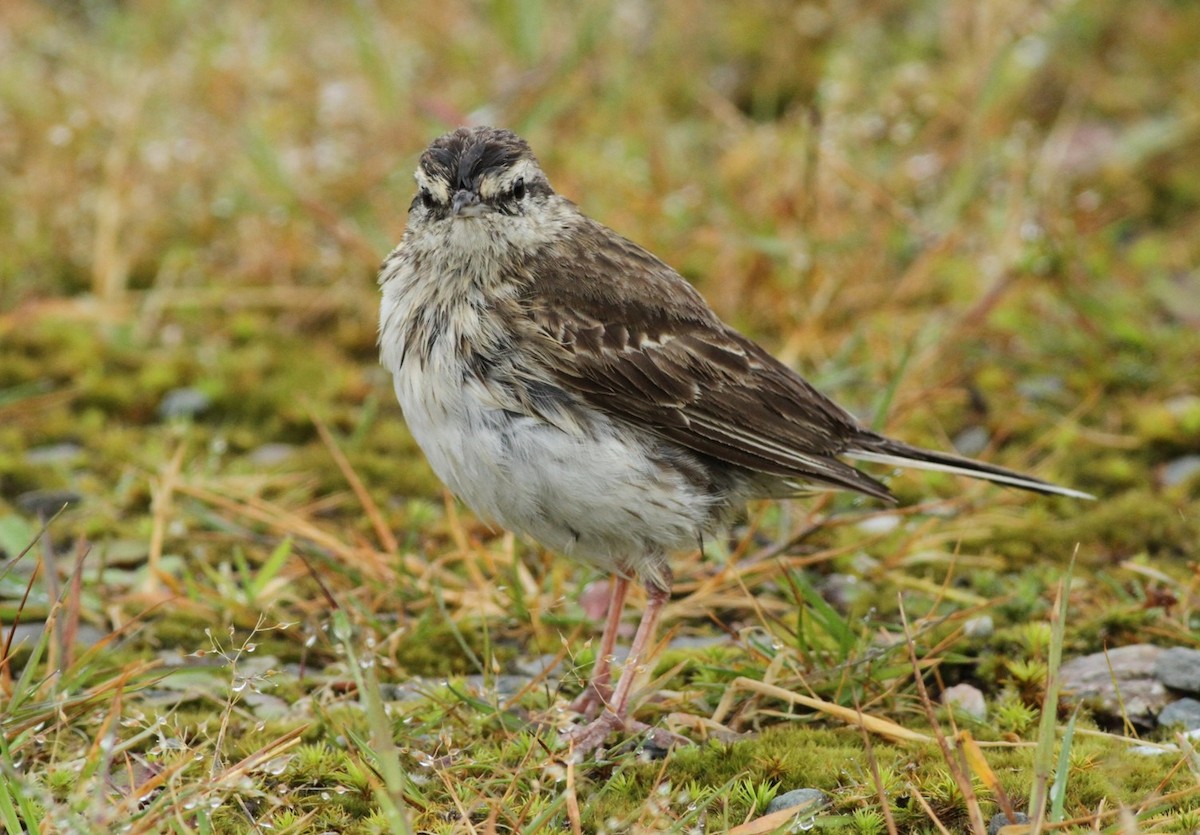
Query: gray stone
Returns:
{"type": "Point", "coordinates": [1129, 688]}
{"type": "Point", "coordinates": [1180, 470]}
{"type": "Point", "coordinates": [843, 590]}
{"type": "Point", "coordinates": [1044, 387]}
{"type": "Point", "coordinates": [864, 564]}
{"type": "Point", "coordinates": [411, 690]}
{"type": "Point", "coordinates": [539, 665]}
{"type": "Point", "coordinates": [1000, 820]}
{"type": "Point", "coordinates": [879, 523]}
{"type": "Point", "coordinates": [500, 687]}
{"type": "Point", "coordinates": [1185, 712]}
{"type": "Point", "coordinates": [46, 503]}
{"type": "Point", "coordinates": [700, 641]}
{"type": "Point", "coordinates": [268, 455]}
{"type": "Point", "coordinates": [1151, 750]}
{"type": "Point", "coordinates": [972, 441]}
{"type": "Point", "coordinates": [264, 705]}
{"type": "Point", "coordinates": [54, 453]}
{"type": "Point", "coordinates": [183, 403]}
{"type": "Point", "coordinates": [812, 799]}
{"type": "Point", "coordinates": [980, 627]}
{"type": "Point", "coordinates": [967, 699]}
{"type": "Point", "coordinates": [1179, 667]}
{"type": "Point", "coordinates": [30, 633]}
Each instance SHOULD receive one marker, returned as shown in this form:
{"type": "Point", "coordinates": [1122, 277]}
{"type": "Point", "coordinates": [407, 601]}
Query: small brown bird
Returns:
{"type": "Point", "coordinates": [569, 385]}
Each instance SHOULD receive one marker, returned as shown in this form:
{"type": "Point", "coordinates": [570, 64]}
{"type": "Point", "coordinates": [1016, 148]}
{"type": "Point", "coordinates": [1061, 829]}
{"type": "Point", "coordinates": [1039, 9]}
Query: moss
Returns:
{"type": "Point", "coordinates": [1171, 426]}
{"type": "Point", "coordinates": [1118, 527]}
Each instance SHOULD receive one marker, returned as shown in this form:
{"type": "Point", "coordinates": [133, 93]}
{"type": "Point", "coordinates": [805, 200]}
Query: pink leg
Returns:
{"type": "Point", "coordinates": [598, 691]}
{"type": "Point", "coordinates": [615, 717]}
{"type": "Point", "coordinates": [656, 598]}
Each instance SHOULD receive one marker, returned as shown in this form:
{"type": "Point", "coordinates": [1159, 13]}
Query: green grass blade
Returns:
{"type": "Point", "coordinates": [25, 687]}
{"type": "Point", "coordinates": [10, 790]}
{"type": "Point", "coordinates": [822, 615]}
{"type": "Point", "coordinates": [1058, 790]}
{"type": "Point", "coordinates": [8, 810]}
{"type": "Point", "coordinates": [889, 392]}
{"type": "Point", "coordinates": [270, 569]}
{"type": "Point", "coordinates": [391, 796]}
{"type": "Point", "coordinates": [1043, 758]}
{"type": "Point", "coordinates": [452, 625]}
{"type": "Point", "coordinates": [538, 824]}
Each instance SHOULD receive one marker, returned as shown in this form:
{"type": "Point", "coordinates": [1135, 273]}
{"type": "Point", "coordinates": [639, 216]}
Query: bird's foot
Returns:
{"type": "Point", "coordinates": [593, 698]}
{"type": "Point", "coordinates": [591, 736]}
{"type": "Point", "coordinates": [584, 740]}
{"type": "Point", "coordinates": [661, 737]}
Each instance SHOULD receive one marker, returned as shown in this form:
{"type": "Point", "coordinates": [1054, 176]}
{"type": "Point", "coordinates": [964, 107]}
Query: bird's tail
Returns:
{"type": "Point", "coordinates": [881, 450]}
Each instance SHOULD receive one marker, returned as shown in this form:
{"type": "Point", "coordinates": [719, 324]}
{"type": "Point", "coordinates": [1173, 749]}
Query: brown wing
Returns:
{"type": "Point", "coordinates": [636, 341]}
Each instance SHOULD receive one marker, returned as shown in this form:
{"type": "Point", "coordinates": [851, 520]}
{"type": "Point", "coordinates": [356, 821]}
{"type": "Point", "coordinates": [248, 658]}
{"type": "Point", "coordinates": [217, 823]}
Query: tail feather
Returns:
{"type": "Point", "coordinates": [887, 451]}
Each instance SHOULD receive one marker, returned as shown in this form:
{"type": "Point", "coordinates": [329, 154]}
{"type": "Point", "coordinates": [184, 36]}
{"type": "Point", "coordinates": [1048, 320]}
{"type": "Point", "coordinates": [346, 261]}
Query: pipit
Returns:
{"type": "Point", "coordinates": [569, 385]}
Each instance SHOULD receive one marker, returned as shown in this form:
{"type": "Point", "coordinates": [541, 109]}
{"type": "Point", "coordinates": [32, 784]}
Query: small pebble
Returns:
{"type": "Point", "coordinates": [980, 627]}
{"type": "Point", "coordinates": [501, 686]}
{"type": "Point", "coordinates": [269, 455]}
{"type": "Point", "coordinates": [879, 523]}
{"type": "Point", "coordinates": [650, 751]}
{"type": "Point", "coordinates": [538, 665]}
{"type": "Point", "coordinates": [53, 453]}
{"type": "Point", "coordinates": [47, 502]}
{"type": "Point", "coordinates": [967, 699]}
{"type": "Point", "coordinates": [411, 690]}
{"type": "Point", "coordinates": [972, 440]}
{"type": "Point", "coordinates": [700, 641]}
{"type": "Point", "coordinates": [842, 590]}
{"type": "Point", "coordinates": [813, 799]}
{"type": "Point", "coordinates": [1152, 750]}
{"type": "Point", "coordinates": [1180, 470]}
{"type": "Point", "coordinates": [183, 403]}
{"type": "Point", "coordinates": [1179, 668]}
{"type": "Point", "coordinates": [864, 564]}
{"type": "Point", "coordinates": [1000, 820]}
{"type": "Point", "coordinates": [1042, 387]}
{"type": "Point", "coordinates": [30, 633]}
{"type": "Point", "coordinates": [264, 705]}
{"type": "Point", "coordinates": [1185, 712]}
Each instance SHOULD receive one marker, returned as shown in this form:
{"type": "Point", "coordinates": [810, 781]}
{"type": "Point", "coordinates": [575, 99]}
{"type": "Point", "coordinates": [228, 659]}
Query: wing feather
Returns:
{"type": "Point", "coordinates": [636, 341]}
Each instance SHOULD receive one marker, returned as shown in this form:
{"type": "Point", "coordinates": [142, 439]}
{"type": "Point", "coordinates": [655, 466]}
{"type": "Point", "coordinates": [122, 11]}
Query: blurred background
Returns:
{"type": "Point", "coordinates": [976, 224]}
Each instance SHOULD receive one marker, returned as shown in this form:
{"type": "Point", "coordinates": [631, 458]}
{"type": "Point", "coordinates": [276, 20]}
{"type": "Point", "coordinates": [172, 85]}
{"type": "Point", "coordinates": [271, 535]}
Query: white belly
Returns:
{"type": "Point", "coordinates": [594, 494]}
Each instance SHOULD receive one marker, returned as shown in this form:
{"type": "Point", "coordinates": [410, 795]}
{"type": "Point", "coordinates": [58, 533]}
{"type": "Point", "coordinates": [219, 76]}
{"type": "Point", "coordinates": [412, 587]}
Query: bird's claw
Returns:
{"type": "Point", "coordinates": [583, 740]}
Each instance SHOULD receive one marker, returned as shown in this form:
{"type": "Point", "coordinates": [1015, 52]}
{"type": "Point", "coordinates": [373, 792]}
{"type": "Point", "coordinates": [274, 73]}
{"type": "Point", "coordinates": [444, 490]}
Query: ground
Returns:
{"type": "Point", "coordinates": [234, 597]}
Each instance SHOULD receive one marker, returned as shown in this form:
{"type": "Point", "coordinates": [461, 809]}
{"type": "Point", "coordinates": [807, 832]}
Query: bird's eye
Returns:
{"type": "Point", "coordinates": [427, 198]}
{"type": "Point", "coordinates": [519, 188]}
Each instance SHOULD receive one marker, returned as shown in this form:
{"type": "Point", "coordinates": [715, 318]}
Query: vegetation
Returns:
{"type": "Point", "coordinates": [234, 597]}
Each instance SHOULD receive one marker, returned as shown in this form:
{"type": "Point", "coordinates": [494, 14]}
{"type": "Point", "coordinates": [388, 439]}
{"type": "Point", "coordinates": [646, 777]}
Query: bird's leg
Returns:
{"type": "Point", "coordinates": [598, 691]}
{"type": "Point", "coordinates": [656, 599]}
{"type": "Point", "coordinates": [615, 716]}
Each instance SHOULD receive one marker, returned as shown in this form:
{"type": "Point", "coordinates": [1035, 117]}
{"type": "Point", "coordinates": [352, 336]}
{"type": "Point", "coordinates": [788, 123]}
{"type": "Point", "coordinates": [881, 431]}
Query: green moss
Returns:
{"type": "Point", "coordinates": [434, 648]}
{"type": "Point", "coordinates": [1117, 527]}
{"type": "Point", "coordinates": [1175, 423]}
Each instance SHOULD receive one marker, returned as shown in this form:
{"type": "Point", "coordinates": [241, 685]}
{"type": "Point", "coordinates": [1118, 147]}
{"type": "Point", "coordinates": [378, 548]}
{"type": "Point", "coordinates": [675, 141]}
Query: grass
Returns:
{"type": "Point", "coordinates": [968, 222]}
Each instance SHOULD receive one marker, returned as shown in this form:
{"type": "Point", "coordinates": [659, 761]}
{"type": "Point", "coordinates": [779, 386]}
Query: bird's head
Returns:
{"type": "Point", "coordinates": [474, 173]}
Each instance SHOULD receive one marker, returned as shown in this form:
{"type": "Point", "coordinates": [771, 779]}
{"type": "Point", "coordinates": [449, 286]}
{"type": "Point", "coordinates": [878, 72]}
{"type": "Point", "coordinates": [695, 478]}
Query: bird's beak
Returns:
{"type": "Point", "coordinates": [466, 204]}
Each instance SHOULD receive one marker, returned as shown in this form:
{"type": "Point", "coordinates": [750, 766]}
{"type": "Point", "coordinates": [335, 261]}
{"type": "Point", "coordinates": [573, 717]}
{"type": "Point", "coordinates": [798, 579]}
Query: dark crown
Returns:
{"type": "Point", "coordinates": [462, 157]}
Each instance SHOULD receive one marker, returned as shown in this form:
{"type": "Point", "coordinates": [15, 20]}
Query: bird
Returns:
{"type": "Point", "coordinates": [569, 385]}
